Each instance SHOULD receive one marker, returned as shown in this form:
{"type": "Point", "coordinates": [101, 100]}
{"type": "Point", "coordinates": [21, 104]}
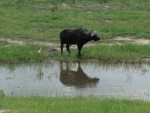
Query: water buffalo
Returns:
{"type": "Point", "coordinates": [78, 36]}
{"type": "Point", "coordinates": [78, 78]}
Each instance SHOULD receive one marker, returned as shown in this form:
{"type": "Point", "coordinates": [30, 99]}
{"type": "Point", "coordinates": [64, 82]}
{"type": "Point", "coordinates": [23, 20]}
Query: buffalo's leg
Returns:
{"type": "Point", "coordinates": [61, 46]}
{"type": "Point", "coordinates": [79, 49]}
{"type": "Point", "coordinates": [67, 46]}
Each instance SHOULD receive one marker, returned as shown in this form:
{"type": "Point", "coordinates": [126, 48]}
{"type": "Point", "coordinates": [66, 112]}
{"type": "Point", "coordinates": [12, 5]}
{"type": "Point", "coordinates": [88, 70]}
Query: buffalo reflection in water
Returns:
{"type": "Point", "coordinates": [77, 78]}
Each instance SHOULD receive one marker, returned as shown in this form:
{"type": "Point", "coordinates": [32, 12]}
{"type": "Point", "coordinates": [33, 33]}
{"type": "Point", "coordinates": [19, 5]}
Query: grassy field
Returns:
{"type": "Point", "coordinates": [20, 53]}
{"type": "Point", "coordinates": [44, 19]}
{"type": "Point", "coordinates": [33, 20]}
{"type": "Point", "coordinates": [127, 52]}
{"type": "Point", "coordinates": [72, 105]}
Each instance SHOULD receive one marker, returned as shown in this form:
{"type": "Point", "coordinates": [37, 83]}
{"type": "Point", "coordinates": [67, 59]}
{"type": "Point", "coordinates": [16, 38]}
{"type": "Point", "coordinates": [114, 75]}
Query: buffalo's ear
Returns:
{"type": "Point", "coordinates": [93, 33]}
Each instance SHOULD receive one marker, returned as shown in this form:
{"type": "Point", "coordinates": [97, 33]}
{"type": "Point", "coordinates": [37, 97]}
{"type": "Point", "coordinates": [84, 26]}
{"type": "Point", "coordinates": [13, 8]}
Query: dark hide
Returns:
{"type": "Point", "coordinates": [78, 36]}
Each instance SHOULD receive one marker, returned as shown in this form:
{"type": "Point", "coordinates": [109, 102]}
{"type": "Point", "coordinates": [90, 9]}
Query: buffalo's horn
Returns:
{"type": "Point", "coordinates": [93, 33]}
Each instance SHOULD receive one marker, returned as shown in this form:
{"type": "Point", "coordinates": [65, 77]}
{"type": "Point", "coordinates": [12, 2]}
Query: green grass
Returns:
{"type": "Point", "coordinates": [44, 19]}
{"type": "Point", "coordinates": [21, 53]}
{"type": "Point", "coordinates": [125, 52]}
{"type": "Point", "coordinates": [72, 105]}
{"type": "Point", "coordinates": [2, 43]}
{"type": "Point", "coordinates": [118, 53]}
{"type": "Point", "coordinates": [111, 53]}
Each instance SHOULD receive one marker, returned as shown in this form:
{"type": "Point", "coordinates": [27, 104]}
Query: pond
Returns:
{"type": "Point", "coordinates": [85, 78]}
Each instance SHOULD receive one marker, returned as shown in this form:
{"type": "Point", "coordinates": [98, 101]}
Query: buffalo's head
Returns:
{"type": "Point", "coordinates": [95, 36]}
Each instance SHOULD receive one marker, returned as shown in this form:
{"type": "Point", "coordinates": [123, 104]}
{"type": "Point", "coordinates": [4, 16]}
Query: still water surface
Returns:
{"type": "Point", "coordinates": [55, 78]}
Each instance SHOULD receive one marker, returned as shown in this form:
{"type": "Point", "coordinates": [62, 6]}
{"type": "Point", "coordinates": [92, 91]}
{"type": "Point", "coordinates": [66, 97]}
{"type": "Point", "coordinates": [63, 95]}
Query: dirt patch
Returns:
{"type": "Point", "coordinates": [54, 45]}
{"type": "Point", "coordinates": [108, 21]}
{"type": "Point", "coordinates": [91, 5]}
{"type": "Point", "coordinates": [132, 40]}
{"type": "Point", "coordinates": [4, 110]}
{"type": "Point", "coordinates": [23, 42]}
{"type": "Point", "coordinates": [12, 41]}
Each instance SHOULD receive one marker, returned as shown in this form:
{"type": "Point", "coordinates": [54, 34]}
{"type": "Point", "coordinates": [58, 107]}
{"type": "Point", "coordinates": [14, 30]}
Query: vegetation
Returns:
{"type": "Point", "coordinates": [33, 20]}
{"type": "Point", "coordinates": [44, 19]}
{"type": "Point", "coordinates": [72, 105]}
{"type": "Point", "coordinates": [118, 53]}
{"type": "Point", "coordinates": [111, 53]}
{"type": "Point", "coordinates": [21, 53]}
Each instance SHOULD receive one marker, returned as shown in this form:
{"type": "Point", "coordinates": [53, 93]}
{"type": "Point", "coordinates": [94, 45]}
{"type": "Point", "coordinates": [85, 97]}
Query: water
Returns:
{"type": "Point", "coordinates": [55, 78]}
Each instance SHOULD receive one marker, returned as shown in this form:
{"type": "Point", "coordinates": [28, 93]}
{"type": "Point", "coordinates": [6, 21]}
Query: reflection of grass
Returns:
{"type": "Point", "coordinates": [73, 105]}
{"type": "Point", "coordinates": [21, 53]}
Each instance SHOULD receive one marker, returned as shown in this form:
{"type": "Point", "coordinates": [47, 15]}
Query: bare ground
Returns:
{"type": "Point", "coordinates": [132, 40]}
{"type": "Point", "coordinates": [54, 46]}
{"type": "Point", "coordinates": [4, 110]}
